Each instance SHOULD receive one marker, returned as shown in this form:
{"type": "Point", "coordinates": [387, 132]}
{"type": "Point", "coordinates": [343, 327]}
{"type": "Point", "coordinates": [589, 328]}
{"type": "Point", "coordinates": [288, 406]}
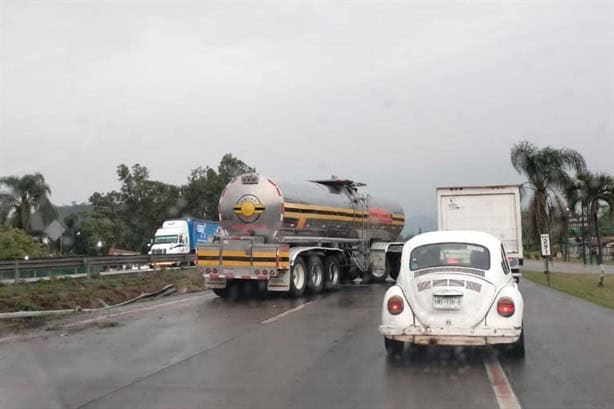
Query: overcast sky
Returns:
{"type": "Point", "coordinates": [403, 96]}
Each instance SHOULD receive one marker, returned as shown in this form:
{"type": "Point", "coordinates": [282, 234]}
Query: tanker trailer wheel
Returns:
{"type": "Point", "coordinates": [235, 289]}
{"type": "Point", "coordinates": [315, 275]}
{"type": "Point", "coordinates": [332, 271]}
{"type": "Point", "coordinates": [220, 292]}
{"type": "Point", "coordinates": [366, 277]}
{"type": "Point", "coordinates": [298, 278]}
{"type": "Point", "coordinates": [350, 273]}
{"type": "Point", "coordinates": [374, 276]}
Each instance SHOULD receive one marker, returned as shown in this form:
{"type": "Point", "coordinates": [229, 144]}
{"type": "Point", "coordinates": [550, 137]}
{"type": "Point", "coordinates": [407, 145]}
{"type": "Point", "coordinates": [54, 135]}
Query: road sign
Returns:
{"type": "Point", "coordinates": [578, 221]}
{"type": "Point", "coordinates": [545, 240]}
{"type": "Point", "coordinates": [55, 230]}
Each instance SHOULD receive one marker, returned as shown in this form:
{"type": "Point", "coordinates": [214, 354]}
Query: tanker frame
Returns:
{"type": "Point", "coordinates": [299, 237]}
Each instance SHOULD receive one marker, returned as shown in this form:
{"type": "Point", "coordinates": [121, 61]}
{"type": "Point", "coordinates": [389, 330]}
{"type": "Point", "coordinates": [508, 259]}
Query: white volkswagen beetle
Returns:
{"type": "Point", "coordinates": [454, 288]}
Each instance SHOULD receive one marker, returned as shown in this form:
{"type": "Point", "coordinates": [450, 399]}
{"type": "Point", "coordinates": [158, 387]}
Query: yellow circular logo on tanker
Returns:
{"type": "Point", "coordinates": [248, 208]}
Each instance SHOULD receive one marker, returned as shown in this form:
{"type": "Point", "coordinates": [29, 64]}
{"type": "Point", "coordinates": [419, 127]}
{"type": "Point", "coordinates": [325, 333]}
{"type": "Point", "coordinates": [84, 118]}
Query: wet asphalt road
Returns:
{"type": "Point", "coordinates": [203, 352]}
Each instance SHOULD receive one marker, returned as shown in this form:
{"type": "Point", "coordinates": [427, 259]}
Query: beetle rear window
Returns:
{"type": "Point", "coordinates": [450, 254]}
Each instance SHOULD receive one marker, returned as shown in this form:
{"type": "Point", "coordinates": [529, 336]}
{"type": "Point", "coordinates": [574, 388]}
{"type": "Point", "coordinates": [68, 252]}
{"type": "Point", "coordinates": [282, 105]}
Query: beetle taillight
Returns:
{"type": "Point", "coordinates": [505, 307]}
{"type": "Point", "coordinates": [395, 305]}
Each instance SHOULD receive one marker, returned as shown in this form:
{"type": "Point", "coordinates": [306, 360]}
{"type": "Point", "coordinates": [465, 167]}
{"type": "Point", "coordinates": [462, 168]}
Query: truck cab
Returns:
{"type": "Point", "coordinates": [182, 236]}
{"type": "Point", "coordinates": [171, 238]}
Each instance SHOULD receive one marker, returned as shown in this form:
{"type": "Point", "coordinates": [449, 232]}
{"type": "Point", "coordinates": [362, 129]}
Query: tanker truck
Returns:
{"type": "Point", "coordinates": [297, 237]}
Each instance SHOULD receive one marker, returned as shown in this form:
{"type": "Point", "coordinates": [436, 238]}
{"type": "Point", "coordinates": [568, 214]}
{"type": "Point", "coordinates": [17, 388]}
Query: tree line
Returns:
{"type": "Point", "coordinates": [561, 186]}
{"type": "Point", "coordinates": [557, 180]}
{"type": "Point", "coordinates": [126, 218]}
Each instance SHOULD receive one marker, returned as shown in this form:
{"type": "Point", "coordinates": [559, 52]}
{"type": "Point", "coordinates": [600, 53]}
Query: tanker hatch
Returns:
{"type": "Point", "coordinates": [249, 179]}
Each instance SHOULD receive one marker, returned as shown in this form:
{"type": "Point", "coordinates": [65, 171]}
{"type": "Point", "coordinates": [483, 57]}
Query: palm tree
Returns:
{"type": "Point", "coordinates": [5, 210]}
{"type": "Point", "coordinates": [24, 195]}
{"type": "Point", "coordinates": [591, 190]}
{"type": "Point", "coordinates": [546, 170]}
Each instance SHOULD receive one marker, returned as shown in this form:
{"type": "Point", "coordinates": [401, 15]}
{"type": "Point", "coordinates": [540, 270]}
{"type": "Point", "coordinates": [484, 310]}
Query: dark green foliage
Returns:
{"type": "Point", "coordinates": [205, 185]}
{"type": "Point", "coordinates": [591, 191]}
{"type": "Point", "coordinates": [20, 196]}
{"type": "Point", "coordinates": [547, 172]}
{"type": "Point", "coordinates": [128, 218]}
{"type": "Point", "coordinates": [16, 244]}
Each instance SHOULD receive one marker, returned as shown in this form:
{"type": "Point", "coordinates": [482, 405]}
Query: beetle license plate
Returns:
{"type": "Point", "coordinates": [447, 302]}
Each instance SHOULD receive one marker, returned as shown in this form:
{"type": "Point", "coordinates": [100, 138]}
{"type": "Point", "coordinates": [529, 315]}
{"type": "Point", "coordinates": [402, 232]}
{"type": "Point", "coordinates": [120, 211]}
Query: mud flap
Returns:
{"type": "Point", "coordinates": [280, 283]}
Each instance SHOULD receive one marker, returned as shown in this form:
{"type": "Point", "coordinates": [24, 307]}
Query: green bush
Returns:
{"type": "Point", "coordinates": [15, 243]}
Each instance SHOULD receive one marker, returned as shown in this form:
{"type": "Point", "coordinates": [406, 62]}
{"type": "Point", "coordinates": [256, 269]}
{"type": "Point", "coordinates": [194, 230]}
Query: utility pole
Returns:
{"type": "Point", "coordinates": [566, 236]}
{"type": "Point", "coordinates": [583, 234]}
{"type": "Point", "coordinates": [545, 247]}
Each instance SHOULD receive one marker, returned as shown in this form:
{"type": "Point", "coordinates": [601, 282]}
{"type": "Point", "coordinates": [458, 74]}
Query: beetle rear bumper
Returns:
{"type": "Point", "coordinates": [451, 336]}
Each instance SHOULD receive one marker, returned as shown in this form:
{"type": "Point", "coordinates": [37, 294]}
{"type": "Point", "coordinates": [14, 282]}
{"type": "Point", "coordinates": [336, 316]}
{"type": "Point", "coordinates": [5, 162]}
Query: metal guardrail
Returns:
{"type": "Point", "coordinates": [13, 269]}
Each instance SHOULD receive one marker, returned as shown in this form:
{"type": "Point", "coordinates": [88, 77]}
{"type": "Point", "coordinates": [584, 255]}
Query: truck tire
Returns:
{"type": "Point", "coordinates": [368, 276]}
{"type": "Point", "coordinates": [249, 289]}
{"type": "Point", "coordinates": [235, 289]}
{"type": "Point", "coordinates": [315, 274]}
{"type": "Point", "coordinates": [393, 347]}
{"type": "Point", "coordinates": [220, 292]}
{"type": "Point", "coordinates": [298, 278]}
{"type": "Point", "coordinates": [377, 278]}
{"type": "Point", "coordinates": [332, 271]}
{"type": "Point", "coordinates": [261, 289]}
{"type": "Point", "coordinates": [516, 274]}
{"type": "Point", "coordinates": [350, 274]}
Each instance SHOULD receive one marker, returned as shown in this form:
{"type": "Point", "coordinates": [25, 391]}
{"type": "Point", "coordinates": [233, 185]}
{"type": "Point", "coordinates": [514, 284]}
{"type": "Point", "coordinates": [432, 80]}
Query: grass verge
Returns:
{"type": "Point", "coordinates": [65, 293]}
{"type": "Point", "coordinates": [582, 285]}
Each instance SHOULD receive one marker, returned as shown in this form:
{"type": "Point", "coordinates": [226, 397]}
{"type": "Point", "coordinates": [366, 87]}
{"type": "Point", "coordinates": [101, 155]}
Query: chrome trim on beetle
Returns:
{"type": "Point", "coordinates": [467, 270]}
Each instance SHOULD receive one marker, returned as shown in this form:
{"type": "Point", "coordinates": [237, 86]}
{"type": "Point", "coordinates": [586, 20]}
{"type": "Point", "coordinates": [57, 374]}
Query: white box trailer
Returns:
{"type": "Point", "coordinates": [491, 209]}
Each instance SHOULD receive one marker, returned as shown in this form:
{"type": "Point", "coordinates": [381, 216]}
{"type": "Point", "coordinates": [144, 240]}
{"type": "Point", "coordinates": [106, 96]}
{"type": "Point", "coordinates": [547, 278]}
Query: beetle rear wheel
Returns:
{"type": "Point", "coordinates": [516, 350]}
{"type": "Point", "coordinates": [393, 347]}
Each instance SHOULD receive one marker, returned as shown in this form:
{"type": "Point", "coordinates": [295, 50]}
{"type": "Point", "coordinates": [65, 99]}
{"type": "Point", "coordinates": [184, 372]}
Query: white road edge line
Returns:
{"type": "Point", "coordinates": [285, 313]}
{"type": "Point", "coordinates": [506, 398]}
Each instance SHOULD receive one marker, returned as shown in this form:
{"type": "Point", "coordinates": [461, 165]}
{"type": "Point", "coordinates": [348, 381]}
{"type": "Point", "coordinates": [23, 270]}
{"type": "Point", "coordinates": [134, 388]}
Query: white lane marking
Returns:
{"type": "Point", "coordinates": [285, 313]}
{"type": "Point", "coordinates": [506, 398]}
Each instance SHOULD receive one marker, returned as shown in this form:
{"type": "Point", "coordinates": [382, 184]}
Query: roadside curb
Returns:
{"type": "Point", "coordinates": [191, 297]}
